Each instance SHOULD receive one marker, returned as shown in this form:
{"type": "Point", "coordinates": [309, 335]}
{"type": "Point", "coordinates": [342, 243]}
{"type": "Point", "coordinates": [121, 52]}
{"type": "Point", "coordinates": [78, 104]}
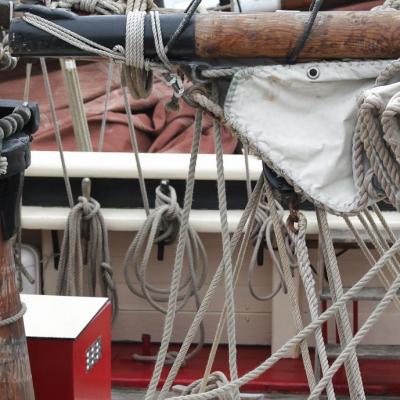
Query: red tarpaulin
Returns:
{"type": "Point", "coordinates": [157, 129]}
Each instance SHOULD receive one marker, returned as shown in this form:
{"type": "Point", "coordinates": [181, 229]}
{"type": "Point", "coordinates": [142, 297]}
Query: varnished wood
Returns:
{"type": "Point", "coordinates": [365, 5]}
{"type": "Point", "coordinates": [15, 372]}
{"type": "Point", "coordinates": [336, 35]}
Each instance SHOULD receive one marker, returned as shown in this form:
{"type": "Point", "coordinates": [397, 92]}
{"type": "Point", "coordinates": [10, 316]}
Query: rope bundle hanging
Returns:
{"type": "Point", "coordinates": [262, 236]}
{"type": "Point", "coordinates": [161, 227]}
{"type": "Point", "coordinates": [85, 258]}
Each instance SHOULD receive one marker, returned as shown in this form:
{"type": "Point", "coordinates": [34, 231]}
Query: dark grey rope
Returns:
{"type": "Point", "coordinates": [314, 9]}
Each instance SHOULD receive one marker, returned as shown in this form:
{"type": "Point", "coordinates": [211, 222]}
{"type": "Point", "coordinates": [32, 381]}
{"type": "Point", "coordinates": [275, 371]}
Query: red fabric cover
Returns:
{"type": "Point", "coordinates": [158, 130]}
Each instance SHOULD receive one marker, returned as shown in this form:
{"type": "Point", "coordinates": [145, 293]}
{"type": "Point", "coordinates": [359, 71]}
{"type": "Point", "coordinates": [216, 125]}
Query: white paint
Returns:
{"type": "Point", "coordinates": [117, 219]}
{"type": "Point", "coordinates": [123, 166]}
{"type": "Point", "coordinates": [59, 317]}
{"type": "Point", "coordinates": [249, 6]}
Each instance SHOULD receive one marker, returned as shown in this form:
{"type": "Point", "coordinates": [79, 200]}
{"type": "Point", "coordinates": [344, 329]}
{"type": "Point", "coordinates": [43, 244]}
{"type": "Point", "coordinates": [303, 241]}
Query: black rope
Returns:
{"type": "Point", "coordinates": [314, 9]}
{"type": "Point", "coordinates": [189, 12]}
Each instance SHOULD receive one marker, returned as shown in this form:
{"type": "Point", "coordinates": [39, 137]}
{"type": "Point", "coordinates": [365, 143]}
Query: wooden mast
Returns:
{"type": "Point", "coordinates": [15, 372]}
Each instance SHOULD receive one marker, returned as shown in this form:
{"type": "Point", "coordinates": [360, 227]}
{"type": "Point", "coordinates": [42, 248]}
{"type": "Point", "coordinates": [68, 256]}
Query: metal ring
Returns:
{"type": "Point", "coordinates": [313, 73]}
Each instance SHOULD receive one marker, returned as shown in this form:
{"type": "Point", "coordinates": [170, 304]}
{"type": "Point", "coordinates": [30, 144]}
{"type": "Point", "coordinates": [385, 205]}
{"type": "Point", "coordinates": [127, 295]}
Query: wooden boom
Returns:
{"type": "Point", "coordinates": [335, 35]}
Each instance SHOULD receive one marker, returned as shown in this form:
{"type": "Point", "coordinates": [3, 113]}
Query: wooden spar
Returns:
{"type": "Point", "coordinates": [15, 372]}
{"type": "Point", "coordinates": [335, 35]}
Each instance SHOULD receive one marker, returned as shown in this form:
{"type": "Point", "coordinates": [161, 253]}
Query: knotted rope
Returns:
{"type": "Point", "coordinates": [162, 226]}
{"type": "Point", "coordinates": [83, 263]}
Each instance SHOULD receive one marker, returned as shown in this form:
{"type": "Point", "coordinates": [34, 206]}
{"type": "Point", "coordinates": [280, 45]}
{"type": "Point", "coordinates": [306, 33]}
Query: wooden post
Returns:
{"type": "Point", "coordinates": [15, 372]}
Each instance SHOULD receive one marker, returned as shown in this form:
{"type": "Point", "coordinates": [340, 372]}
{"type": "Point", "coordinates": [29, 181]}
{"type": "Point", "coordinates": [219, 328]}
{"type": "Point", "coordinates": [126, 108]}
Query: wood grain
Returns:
{"type": "Point", "coordinates": [335, 35]}
{"type": "Point", "coordinates": [15, 372]}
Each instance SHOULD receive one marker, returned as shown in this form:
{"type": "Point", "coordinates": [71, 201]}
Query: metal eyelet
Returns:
{"type": "Point", "coordinates": [313, 73]}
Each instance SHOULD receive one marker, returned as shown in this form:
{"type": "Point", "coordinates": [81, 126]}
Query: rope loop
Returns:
{"type": "Point", "coordinates": [14, 318]}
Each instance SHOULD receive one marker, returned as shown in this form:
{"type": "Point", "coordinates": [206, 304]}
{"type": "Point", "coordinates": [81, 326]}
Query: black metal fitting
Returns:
{"type": "Point", "coordinates": [16, 148]}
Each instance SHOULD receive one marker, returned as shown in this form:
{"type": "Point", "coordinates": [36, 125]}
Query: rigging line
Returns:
{"type": "Point", "coordinates": [106, 101]}
{"type": "Point", "coordinates": [227, 254]}
{"type": "Point", "coordinates": [305, 332]}
{"type": "Point", "coordinates": [27, 85]}
{"type": "Point", "coordinates": [247, 217]}
{"type": "Point", "coordinates": [189, 12]}
{"type": "Point", "coordinates": [178, 264]}
{"type": "Point", "coordinates": [343, 322]}
{"type": "Point", "coordinates": [132, 133]}
{"type": "Point", "coordinates": [18, 241]}
{"type": "Point", "coordinates": [57, 132]}
{"type": "Point", "coordinates": [285, 262]}
{"type": "Point", "coordinates": [314, 8]}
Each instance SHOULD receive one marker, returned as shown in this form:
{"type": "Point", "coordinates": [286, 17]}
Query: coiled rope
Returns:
{"type": "Point", "coordinates": [162, 225]}
{"type": "Point", "coordinates": [81, 267]}
{"type": "Point", "coordinates": [9, 125]}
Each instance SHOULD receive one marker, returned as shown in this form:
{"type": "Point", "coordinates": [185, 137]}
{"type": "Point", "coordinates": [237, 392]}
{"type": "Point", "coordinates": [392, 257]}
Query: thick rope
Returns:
{"type": "Point", "coordinates": [79, 270]}
{"type": "Point", "coordinates": [162, 225]}
{"type": "Point", "coordinates": [9, 125]}
{"type": "Point", "coordinates": [299, 337]}
{"type": "Point", "coordinates": [14, 318]}
{"type": "Point", "coordinates": [307, 277]}
{"type": "Point", "coordinates": [178, 264]}
{"type": "Point", "coordinates": [294, 304]}
{"type": "Point", "coordinates": [248, 215]}
{"type": "Point", "coordinates": [104, 7]}
{"type": "Point", "coordinates": [350, 347]}
{"type": "Point", "coordinates": [226, 257]}
{"type": "Point", "coordinates": [343, 322]}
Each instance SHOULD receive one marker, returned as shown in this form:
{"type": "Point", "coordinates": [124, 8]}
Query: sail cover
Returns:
{"type": "Point", "coordinates": [300, 119]}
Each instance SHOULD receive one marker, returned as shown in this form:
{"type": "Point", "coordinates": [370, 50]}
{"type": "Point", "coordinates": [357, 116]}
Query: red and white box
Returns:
{"type": "Point", "coordinates": [69, 342]}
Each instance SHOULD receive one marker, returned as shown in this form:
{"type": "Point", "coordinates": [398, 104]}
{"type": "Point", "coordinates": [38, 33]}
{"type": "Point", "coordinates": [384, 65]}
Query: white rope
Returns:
{"type": "Point", "coordinates": [299, 337]}
{"type": "Point", "coordinates": [178, 264]}
{"type": "Point", "coordinates": [307, 277]}
{"type": "Point", "coordinates": [343, 322]}
{"type": "Point", "coordinates": [78, 271]}
{"type": "Point", "coordinates": [248, 215]}
{"type": "Point", "coordinates": [105, 111]}
{"type": "Point", "coordinates": [294, 304]}
{"type": "Point", "coordinates": [351, 346]}
{"type": "Point", "coordinates": [162, 225]}
{"type": "Point", "coordinates": [263, 232]}
{"type": "Point", "coordinates": [72, 38]}
{"type": "Point", "coordinates": [134, 45]}
{"type": "Point", "coordinates": [57, 132]}
{"type": "Point", "coordinates": [227, 258]}
{"type": "Point", "coordinates": [14, 318]}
